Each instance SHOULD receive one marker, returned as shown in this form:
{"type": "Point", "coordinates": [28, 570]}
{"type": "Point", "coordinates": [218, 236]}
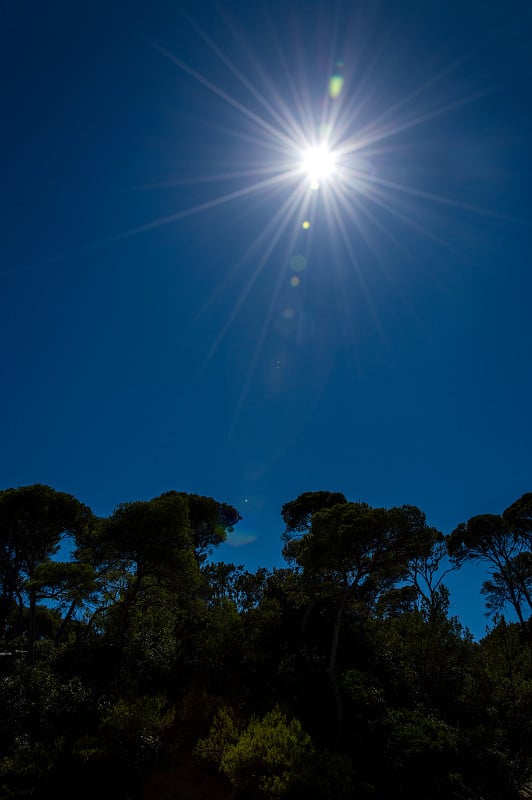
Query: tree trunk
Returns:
{"type": "Point", "coordinates": [66, 620]}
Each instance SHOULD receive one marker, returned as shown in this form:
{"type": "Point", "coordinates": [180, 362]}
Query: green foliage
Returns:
{"type": "Point", "coordinates": [35, 700]}
{"type": "Point", "coordinates": [269, 757]}
{"type": "Point", "coordinates": [33, 522]}
{"type": "Point", "coordinates": [153, 536]}
{"type": "Point", "coordinates": [297, 514]}
{"type": "Point", "coordinates": [229, 582]}
{"type": "Point", "coordinates": [152, 644]}
{"type": "Point", "coordinates": [505, 659]}
{"type": "Point", "coordinates": [420, 754]}
{"type": "Point", "coordinates": [357, 545]}
{"type": "Point", "coordinates": [28, 766]}
{"type": "Point", "coordinates": [209, 521]}
{"type": "Point", "coordinates": [129, 738]}
{"type": "Point", "coordinates": [133, 730]}
{"type": "Point", "coordinates": [365, 694]}
{"type": "Point", "coordinates": [224, 733]}
{"type": "Point", "coordinates": [39, 711]}
{"type": "Point", "coordinates": [415, 735]}
{"type": "Point", "coordinates": [273, 757]}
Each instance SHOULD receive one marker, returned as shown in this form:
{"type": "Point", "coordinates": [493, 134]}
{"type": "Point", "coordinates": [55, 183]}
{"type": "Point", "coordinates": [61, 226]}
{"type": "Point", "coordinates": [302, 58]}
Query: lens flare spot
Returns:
{"type": "Point", "coordinates": [238, 539]}
{"type": "Point", "coordinates": [315, 185]}
{"type": "Point", "coordinates": [295, 281]}
{"type": "Point", "coordinates": [336, 85]}
{"type": "Point", "coordinates": [306, 225]}
{"type": "Point", "coordinates": [288, 313]}
{"type": "Point", "coordinates": [298, 263]}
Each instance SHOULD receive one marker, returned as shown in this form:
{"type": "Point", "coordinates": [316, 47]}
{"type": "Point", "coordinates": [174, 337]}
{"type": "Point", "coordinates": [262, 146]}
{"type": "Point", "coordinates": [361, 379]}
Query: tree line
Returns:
{"type": "Point", "coordinates": [142, 667]}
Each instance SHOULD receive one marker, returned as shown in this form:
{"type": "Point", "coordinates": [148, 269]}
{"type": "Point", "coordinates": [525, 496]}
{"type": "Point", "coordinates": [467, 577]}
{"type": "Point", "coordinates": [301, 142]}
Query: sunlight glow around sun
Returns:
{"type": "Point", "coordinates": [318, 163]}
{"type": "Point", "coordinates": [351, 146]}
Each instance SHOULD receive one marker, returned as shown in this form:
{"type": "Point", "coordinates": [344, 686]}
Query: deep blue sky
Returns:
{"type": "Point", "coordinates": [149, 346]}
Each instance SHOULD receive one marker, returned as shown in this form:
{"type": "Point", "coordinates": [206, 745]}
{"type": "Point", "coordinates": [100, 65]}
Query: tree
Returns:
{"type": "Point", "coordinates": [425, 576]}
{"type": "Point", "coordinates": [354, 554]}
{"type": "Point", "coordinates": [500, 592]}
{"type": "Point", "coordinates": [420, 755]}
{"type": "Point", "coordinates": [505, 542]}
{"type": "Point", "coordinates": [143, 540]}
{"type": "Point", "coordinates": [266, 760]}
{"type": "Point", "coordinates": [148, 555]}
{"type": "Point", "coordinates": [33, 522]}
{"type": "Point", "coordinates": [297, 514]}
{"type": "Point", "coordinates": [209, 521]}
{"type": "Point", "coordinates": [504, 677]}
{"type": "Point", "coordinates": [68, 584]}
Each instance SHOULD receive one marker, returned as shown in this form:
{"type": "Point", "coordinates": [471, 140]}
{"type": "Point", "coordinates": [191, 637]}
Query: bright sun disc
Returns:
{"type": "Point", "coordinates": [318, 163]}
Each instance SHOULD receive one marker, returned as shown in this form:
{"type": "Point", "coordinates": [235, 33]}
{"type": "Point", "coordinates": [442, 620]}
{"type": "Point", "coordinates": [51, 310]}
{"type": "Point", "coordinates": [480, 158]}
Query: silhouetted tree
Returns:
{"type": "Point", "coordinates": [33, 522]}
{"type": "Point", "coordinates": [505, 542]}
{"type": "Point", "coordinates": [355, 554]}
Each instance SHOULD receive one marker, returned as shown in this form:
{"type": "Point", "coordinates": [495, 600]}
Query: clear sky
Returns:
{"type": "Point", "coordinates": [168, 323]}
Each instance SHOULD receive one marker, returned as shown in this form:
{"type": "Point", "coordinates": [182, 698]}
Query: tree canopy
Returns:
{"type": "Point", "coordinates": [138, 665]}
{"type": "Point", "coordinates": [504, 542]}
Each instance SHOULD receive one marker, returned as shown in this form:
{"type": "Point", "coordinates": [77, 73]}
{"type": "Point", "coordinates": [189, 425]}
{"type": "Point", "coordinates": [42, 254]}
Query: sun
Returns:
{"type": "Point", "coordinates": [318, 163]}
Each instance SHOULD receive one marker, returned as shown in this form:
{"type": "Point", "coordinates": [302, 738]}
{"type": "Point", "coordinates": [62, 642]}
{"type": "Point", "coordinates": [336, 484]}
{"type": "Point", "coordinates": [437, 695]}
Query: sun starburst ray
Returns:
{"type": "Point", "coordinates": [300, 119]}
{"type": "Point", "coordinates": [373, 134]}
{"type": "Point", "coordinates": [210, 178]}
{"type": "Point", "coordinates": [388, 203]}
{"type": "Point", "coordinates": [333, 157]}
{"type": "Point", "coordinates": [285, 120]}
{"type": "Point", "coordinates": [442, 199]}
{"type": "Point", "coordinates": [364, 211]}
{"type": "Point", "coordinates": [231, 101]}
{"type": "Point", "coordinates": [336, 221]}
{"type": "Point", "coordinates": [278, 225]}
{"type": "Point", "coordinates": [258, 348]}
